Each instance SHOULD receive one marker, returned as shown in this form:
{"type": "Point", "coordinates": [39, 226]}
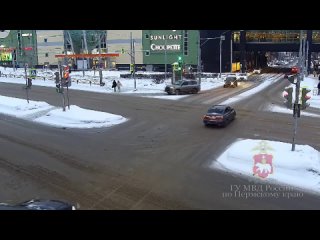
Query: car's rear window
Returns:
{"type": "Point", "coordinates": [230, 79]}
{"type": "Point", "coordinates": [216, 110]}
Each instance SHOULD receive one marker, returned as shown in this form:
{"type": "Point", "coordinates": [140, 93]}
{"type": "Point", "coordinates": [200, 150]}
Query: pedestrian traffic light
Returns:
{"type": "Point", "coordinates": [288, 96]}
{"type": "Point", "coordinates": [305, 98]}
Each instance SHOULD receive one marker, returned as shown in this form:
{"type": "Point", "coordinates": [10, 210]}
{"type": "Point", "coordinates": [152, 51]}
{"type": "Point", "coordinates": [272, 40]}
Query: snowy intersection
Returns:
{"type": "Point", "coordinates": [248, 157]}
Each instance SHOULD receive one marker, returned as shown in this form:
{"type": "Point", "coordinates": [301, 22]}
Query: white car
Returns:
{"type": "Point", "coordinates": [242, 77]}
{"type": "Point", "coordinates": [256, 71]}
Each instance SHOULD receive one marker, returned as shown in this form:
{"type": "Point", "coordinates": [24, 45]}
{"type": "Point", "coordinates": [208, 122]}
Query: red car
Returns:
{"type": "Point", "coordinates": [294, 70]}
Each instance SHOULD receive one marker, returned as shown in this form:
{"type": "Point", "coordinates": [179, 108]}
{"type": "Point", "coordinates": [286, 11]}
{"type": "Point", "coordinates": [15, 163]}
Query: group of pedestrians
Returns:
{"type": "Point", "coordinates": [116, 85]}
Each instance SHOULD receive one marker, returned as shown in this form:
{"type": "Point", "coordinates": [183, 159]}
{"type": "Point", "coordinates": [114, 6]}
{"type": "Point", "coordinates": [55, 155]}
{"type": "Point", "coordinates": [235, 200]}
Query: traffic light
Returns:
{"type": "Point", "coordinates": [288, 96]}
{"type": "Point", "coordinates": [292, 78]}
{"type": "Point", "coordinates": [175, 66]}
{"type": "Point", "coordinates": [180, 61]}
{"type": "Point", "coordinates": [66, 72]}
{"type": "Point", "coordinates": [131, 68]}
{"type": "Point", "coordinates": [122, 50]}
{"type": "Point", "coordinates": [305, 98]}
{"type": "Point", "coordinates": [57, 77]}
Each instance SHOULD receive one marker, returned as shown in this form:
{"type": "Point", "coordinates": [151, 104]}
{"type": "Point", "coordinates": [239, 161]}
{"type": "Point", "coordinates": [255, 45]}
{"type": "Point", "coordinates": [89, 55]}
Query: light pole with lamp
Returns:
{"type": "Point", "coordinates": [221, 37]}
{"type": "Point", "coordinates": [165, 58]}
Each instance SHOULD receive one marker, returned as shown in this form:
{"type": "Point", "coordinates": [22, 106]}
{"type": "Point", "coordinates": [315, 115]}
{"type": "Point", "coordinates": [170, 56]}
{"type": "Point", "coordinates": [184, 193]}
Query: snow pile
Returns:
{"type": "Point", "coordinates": [77, 117]}
{"type": "Point", "coordinates": [42, 112]}
{"type": "Point", "coordinates": [273, 161]}
{"type": "Point", "coordinates": [20, 107]}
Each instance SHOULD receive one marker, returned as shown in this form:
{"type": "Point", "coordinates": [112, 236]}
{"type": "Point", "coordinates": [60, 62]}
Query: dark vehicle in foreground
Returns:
{"type": "Point", "coordinates": [219, 115]}
{"type": "Point", "coordinates": [39, 205]}
{"type": "Point", "coordinates": [183, 86]}
{"type": "Point", "coordinates": [230, 82]}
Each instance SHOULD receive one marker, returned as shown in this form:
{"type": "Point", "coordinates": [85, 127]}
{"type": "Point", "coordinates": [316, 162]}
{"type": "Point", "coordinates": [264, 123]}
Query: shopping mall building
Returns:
{"type": "Point", "coordinates": [155, 49]}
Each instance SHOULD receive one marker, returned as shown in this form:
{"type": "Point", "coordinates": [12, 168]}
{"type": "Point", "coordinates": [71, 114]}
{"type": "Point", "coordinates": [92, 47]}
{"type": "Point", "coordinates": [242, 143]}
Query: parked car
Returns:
{"type": "Point", "coordinates": [37, 204]}
{"type": "Point", "coordinates": [219, 115]}
{"type": "Point", "coordinates": [183, 86]}
{"type": "Point", "coordinates": [230, 82]}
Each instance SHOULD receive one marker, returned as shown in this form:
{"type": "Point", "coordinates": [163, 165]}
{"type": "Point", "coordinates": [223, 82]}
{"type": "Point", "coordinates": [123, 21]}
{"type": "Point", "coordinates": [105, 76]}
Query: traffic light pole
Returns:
{"type": "Point", "coordinates": [26, 76]}
{"type": "Point", "coordinates": [100, 71]}
{"type": "Point", "coordinates": [296, 106]}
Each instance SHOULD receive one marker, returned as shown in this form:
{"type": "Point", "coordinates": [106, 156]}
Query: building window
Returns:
{"type": "Point", "coordinates": [147, 53]}
{"type": "Point", "coordinates": [147, 36]}
{"type": "Point", "coordinates": [185, 43]}
{"type": "Point", "coordinates": [45, 40]}
{"type": "Point", "coordinates": [46, 54]}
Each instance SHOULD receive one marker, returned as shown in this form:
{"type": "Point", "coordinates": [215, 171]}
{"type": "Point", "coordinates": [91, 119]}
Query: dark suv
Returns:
{"type": "Point", "coordinates": [183, 86]}
{"type": "Point", "coordinates": [230, 82]}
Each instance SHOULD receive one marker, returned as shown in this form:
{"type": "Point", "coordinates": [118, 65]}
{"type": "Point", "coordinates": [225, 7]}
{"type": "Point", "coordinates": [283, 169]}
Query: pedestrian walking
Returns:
{"type": "Point", "coordinates": [319, 87]}
{"type": "Point", "coordinates": [119, 85]}
{"type": "Point", "coordinates": [114, 85]}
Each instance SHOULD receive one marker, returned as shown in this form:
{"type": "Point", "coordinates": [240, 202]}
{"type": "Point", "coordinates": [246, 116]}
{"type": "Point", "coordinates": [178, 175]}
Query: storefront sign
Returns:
{"type": "Point", "coordinates": [5, 56]}
{"type": "Point", "coordinates": [173, 47]}
{"type": "Point", "coordinates": [164, 37]}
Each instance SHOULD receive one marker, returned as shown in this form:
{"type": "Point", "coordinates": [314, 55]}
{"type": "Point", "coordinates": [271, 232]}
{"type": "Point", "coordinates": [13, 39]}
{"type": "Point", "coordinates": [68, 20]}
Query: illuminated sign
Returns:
{"type": "Point", "coordinates": [165, 42]}
{"type": "Point", "coordinates": [26, 34]}
{"type": "Point", "coordinates": [5, 56]}
{"type": "Point", "coordinates": [164, 37]}
{"type": "Point", "coordinates": [173, 47]}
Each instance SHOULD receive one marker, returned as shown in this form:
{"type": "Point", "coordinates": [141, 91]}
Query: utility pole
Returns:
{"type": "Point", "coordinates": [165, 58]}
{"type": "Point", "coordinates": [85, 46]}
{"type": "Point", "coordinates": [26, 76]}
{"type": "Point", "coordinates": [296, 106]}
{"type": "Point", "coordinates": [100, 71]}
{"type": "Point", "coordinates": [133, 60]}
{"type": "Point", "coordinates": [220, 55]}
{"type": "Point", "coordinates": [199, 59]}
{"type": "Point", "coordinates": [231, 54]}
{"type": "Point", "coordinates": [134, 65]}
{"type": "Point", "coordinates": [82, 45]}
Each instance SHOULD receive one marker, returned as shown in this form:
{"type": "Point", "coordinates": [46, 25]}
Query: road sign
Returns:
{"type": "Point", "coordinates": [33, 73]}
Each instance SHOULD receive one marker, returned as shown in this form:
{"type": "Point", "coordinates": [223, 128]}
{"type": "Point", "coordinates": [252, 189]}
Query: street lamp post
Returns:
{"type": "Point", "coordinates": [222, 37]}
{"type": "Point", "coordinates": [165, 59]}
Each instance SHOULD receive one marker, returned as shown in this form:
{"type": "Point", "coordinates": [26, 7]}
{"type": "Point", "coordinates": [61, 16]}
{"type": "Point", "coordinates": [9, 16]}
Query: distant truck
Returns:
{"type": "Point", "coordinates": [183, 86]}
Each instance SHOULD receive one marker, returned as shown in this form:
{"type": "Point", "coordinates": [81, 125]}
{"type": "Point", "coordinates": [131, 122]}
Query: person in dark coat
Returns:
{"type": "Point", "coordinates": [114, 85]}
{"type": "Point", "coordinates": [319, 87]}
